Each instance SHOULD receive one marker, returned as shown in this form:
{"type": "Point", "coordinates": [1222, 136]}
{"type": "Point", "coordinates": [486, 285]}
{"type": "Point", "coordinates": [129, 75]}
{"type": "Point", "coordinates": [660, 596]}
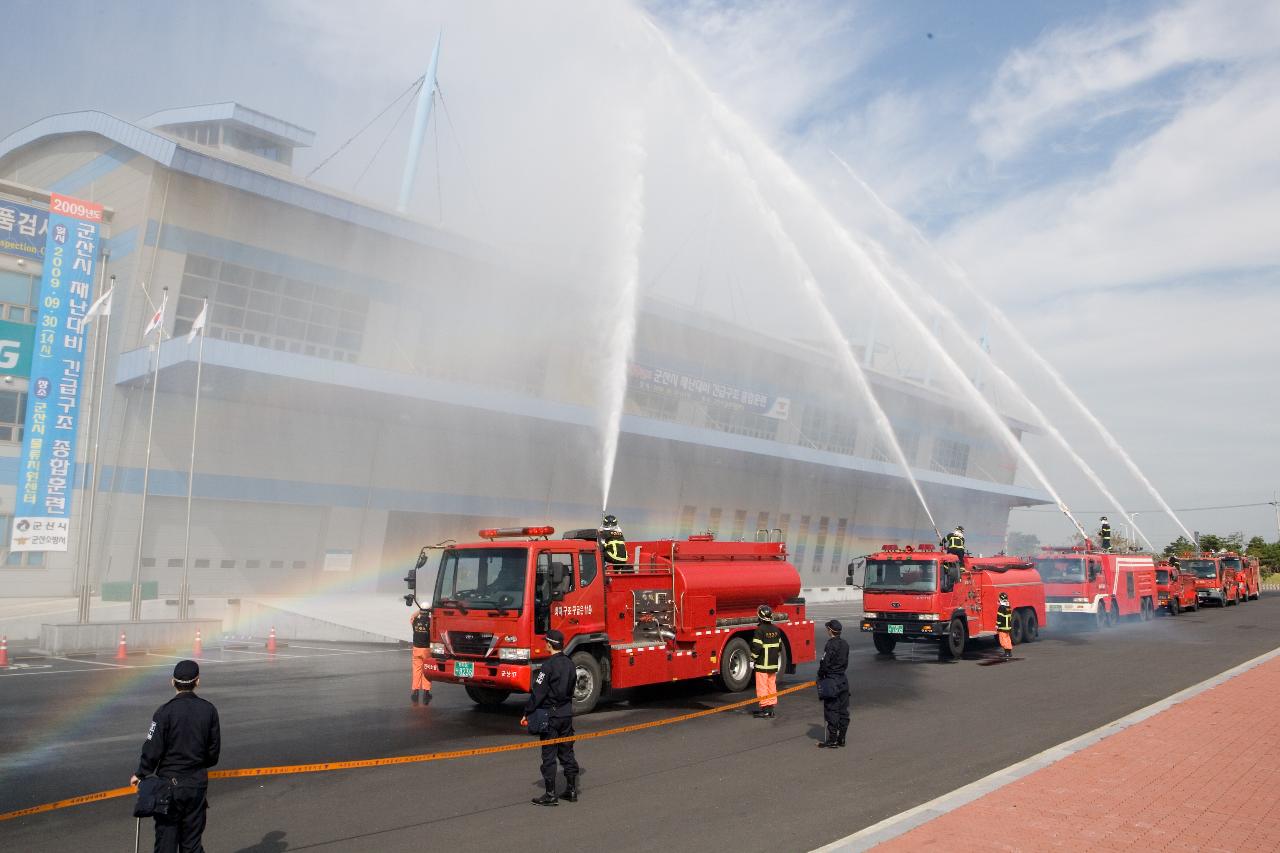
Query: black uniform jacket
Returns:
{"type": "Point", "coordinates": [421, 623]}
{"type": "Point", "coordinates": [184, 740]}
{"type": "Point", "coordinates": [553, 687]}
{"type": "Point", "coordinates": [834, 663]}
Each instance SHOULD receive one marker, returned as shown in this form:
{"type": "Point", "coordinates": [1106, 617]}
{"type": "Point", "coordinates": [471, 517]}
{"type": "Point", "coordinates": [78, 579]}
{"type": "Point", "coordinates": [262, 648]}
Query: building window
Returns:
{"type": "Point", "coordinates": [266, 310]}
{"type": "Point", "coordinates": [762, 523]}
{"type": "Point", "coordinates": [18, 292]}
{"type": "Point", "coordinates": [951, 457]}
{"type": "Point", "coordinates": [175, 562]}
{"type": "Point", "coordinates": [13, 413]}
{"type": "Point", "coordinates": [739, 524]}
{"type": "Point", "coordinates": [820, 549]}
{"type": "Point", "coordinates": [908, 440]}
{"type": "Point", "coordinates": [842, 529]}
{"type": "Point", "coordinates": [713, 522]}
{"type": "Point", "coordinates": [686, 521]}
{"type": "Point", "coordinates": [740, 422]}
{"type": "Point", "coordinates": [822, 429]}
{"type": "Point", "coordinates": [802, 542]}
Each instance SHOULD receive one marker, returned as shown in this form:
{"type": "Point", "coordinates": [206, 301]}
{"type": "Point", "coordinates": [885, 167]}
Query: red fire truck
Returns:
{"type": "Point", "coordinates": [1213, 581]}
{"type": "Point", "coordinates": [1248, 574]}
{"type": "Point", "coordinates": [922, 595]}
{"type": "Point", "coordinates": [1175, 589]}
{"type": "Point", "coordinates": [676, 610]}
{"type": "Point", "coordinates": [1096, 586]}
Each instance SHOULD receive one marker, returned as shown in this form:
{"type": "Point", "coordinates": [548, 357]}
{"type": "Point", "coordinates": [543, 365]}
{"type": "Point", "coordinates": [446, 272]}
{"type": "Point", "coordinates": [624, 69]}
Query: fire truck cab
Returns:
{"type": "Point", "coordinates": [676, 610]}
{"type": "Point", "coordinates": [1213, 581]}
{"type": "Point", "coordinates": [1247, 572]}
{"type": "Point", "coordinates": [1176, 589]}
{"type": "Point", "coordinates": [923, 595]}
{"type": "Point", "coordinates": [1098, 587]}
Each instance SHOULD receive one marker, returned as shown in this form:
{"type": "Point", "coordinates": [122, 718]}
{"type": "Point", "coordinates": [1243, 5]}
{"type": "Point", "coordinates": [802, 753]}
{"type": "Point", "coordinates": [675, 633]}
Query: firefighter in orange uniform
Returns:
{"type": "Point", "coordinates": [1004, 626]}
{"type": "Point", "coordinates": [766, 654]}
{"type": "Point", "coordinates": [421, 622]}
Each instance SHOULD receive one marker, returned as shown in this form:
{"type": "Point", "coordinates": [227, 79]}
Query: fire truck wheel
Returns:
{"type": "Point", "coordinates": [486, 696]}
{"type": "Point", "coordinates": [952, 645]}
{"type": "Point", "coordinates": [1112, 616]}
{"type": "Point", "coordinates": [1017, 627]}
{"type": "Point", "coordinates": [586, 690]}
{"type": "Point", "coordinates": [884, 643]}
{"type": "Point", "coordinates": [1175, 607]}
{"type": "Point", "coordinates": [1100, 618]}
{"type": "Point", "coordinates": [1031, 631]}
{"type": "Point", "coordinates": [735, 666]}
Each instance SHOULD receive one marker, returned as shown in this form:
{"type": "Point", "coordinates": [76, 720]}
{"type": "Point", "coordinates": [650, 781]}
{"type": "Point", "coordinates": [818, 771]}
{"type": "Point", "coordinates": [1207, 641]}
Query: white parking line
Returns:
{"type": "Point", "coordinates": [94, 662]}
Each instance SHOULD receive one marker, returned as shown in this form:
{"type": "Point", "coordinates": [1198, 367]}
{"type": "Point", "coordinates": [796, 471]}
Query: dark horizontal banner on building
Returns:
{"type": "Point", "coordinates": [16, 341]}
{"type": "Point", "coordinates": [23, 229]}
{"type": "Point", "coordinates": [675, 383]}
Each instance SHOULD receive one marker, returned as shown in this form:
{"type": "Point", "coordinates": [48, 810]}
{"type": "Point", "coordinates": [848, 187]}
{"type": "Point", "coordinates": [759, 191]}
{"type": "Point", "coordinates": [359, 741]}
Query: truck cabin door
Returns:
{"type": "Point", "coordinates": [569, 606]}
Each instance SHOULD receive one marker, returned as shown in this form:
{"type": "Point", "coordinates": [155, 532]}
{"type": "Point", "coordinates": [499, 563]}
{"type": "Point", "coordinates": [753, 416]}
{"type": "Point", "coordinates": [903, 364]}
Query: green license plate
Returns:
{"type": "Point", "coordinates": [895, 629]}
{"type": "Point", "coordinates": [464, 668]}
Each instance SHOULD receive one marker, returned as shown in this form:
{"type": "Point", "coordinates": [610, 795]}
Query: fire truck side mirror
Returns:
{"type": "Point", "coordinates": [408, 600]}
{"type": "Point", "coordinates": [422, 559]}
{"type": "Point", "coordinates": [411, 579]}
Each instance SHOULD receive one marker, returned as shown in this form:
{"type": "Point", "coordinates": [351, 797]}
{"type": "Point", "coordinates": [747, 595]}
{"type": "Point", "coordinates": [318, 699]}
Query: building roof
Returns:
{"type": "Point", "coordinates": [267, 179]}
{"type": "Point", "coordinates": [230, 112]}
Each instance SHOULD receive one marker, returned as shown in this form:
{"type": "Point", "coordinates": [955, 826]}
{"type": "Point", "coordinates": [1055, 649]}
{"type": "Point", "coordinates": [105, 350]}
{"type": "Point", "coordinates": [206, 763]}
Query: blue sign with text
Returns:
{"type": "Point", "coordinates": [23, 230]}
{"type": "Point", "coordinates": [46, 468]}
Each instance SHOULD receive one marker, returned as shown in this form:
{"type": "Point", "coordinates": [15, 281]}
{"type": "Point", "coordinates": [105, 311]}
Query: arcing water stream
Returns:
{"type": "Point", "coordinates": [959, 275]}
{"type": "Point", "coordinates": [621, 343]}
{"type": "Point", "coordinates": [832, 329]}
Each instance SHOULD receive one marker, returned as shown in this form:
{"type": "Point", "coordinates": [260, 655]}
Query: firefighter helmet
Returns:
{"type": "Point", "coordinates": [765, 612]}
{"type": "Point", "coordinates": [960, 527]}
{"type": "Point", "coordinates": [611, 521]}
{"type": "Point", "coordinates": [1004, 596]}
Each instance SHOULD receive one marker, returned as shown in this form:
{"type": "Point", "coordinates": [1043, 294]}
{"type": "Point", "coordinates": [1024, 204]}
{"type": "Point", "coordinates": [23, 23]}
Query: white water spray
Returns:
{"type": "Point", "coordinates": [625, 309]}
{"type": "Point", "coordinates": [838, 339]}
{"type": "Point", "coordinates": [958, 274]}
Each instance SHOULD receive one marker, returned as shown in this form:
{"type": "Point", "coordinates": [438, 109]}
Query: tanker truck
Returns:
{"type": "Point", "coordinates": [921, 595]}
{"type": "Point", "coordinates": [676, 610]}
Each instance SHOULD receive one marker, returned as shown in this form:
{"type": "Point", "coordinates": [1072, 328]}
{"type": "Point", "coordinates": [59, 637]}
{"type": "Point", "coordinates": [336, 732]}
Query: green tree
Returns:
{"type": "Point", "coordinates": [1178, 546]}
{"type": "Point", "coordinates": [1267, 553]}
{"type": "Point", "coordinates": [1023, 544]}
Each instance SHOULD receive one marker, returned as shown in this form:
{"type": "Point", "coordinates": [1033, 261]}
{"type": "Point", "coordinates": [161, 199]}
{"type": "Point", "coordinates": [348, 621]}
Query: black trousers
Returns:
{"type": "Point", "coordinates": [181, 828]}
{"type": "Point", "coordinates": [836, 713]}
{"type": "Point", "coordinates": [959, 552]}
{"type": "Point", "coordinates": [558, 727]}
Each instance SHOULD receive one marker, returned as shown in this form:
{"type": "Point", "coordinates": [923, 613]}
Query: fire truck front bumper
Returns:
{"type": "Point", "coordinates": [1081, 606]}
{"type": "Point", "coordinates": [498, 675]}
{"type": "Point", "coordinates": [908, 628]}
{"type": "Point", "coordinates": [1211, 594]}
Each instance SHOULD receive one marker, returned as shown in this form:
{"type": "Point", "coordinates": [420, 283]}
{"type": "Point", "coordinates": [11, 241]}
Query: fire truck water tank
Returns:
{"type": "Point", "coordinates": [738, 585]}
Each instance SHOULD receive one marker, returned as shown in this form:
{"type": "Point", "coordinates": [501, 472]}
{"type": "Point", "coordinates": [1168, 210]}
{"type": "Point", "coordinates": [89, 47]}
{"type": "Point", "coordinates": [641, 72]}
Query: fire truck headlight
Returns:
{"type": "Point", "coordinates": [1080, 600]}
{"type": "Point", "coordinates": [868, 616]}
{"type": "Point", "coordinates": [437, 649]}
{"type": "Point", "coordinates": [513, 654]}
{"type": "Point", "coordinates": [930, 617]}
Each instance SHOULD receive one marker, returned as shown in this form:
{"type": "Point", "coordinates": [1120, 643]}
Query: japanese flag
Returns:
{"type": "Point", "coordinates": [100, 308]}
{"type": "Point", "coordinates": [158, 317]}
{"type": "Point", "coordinates": [198, 325]}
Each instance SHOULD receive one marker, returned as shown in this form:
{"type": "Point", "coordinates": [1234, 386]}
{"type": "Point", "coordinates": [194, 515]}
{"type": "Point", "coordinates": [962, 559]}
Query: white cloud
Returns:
{"type": "Point", "coordinates": [1070, 72]}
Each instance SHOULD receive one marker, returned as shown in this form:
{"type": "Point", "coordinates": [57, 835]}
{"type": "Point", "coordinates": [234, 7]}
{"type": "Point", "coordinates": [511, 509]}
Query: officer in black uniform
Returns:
{"type": "Point", "coordinates": [181, 746]}
{"type": "Point", "coordinates": [612, 542]}
{"type": "Point", "coordinates": [1104, 533]}
{"type": "Point", "coordinates": [954, 542]}
{"type": "Point", "coordinates": [834, 664]}
{"type": "Point", "coordinates": [553, 690]}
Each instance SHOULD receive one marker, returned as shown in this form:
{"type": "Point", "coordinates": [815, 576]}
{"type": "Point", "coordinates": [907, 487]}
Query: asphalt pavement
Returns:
{"type": "Point", "coordinates": [921, 727]}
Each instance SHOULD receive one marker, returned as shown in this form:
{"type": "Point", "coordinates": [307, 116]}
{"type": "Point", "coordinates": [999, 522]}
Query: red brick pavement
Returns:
{"type": "Point", "coordinates": [1201, 775]}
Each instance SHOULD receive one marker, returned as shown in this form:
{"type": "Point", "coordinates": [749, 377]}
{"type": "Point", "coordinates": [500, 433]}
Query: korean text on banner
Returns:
{"type": "Point", "coordinates": [46, 468]}
{"type": "Point", "coordinates": [23, 230]}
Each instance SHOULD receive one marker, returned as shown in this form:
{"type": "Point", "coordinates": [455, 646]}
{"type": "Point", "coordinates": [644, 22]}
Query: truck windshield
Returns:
{"type": "Point", "coordinates": [1060, 569]}
{"type": "Point", "coordinates": [1162, 575]}
{"type": "Point", "coordinates": [1231, 563]}
{"type": "Point", "coordinates": [901, 575]}
{"type": "Point", "coordinates": [486, 578]}
{"type": "Point", "coordinates": [1201, 568]}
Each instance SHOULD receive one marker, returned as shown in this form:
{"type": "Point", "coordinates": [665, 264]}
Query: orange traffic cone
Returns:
{"type": "Point", "coordinates": [4, 652]}
{"type": "Point", "coordinates": [198, 649]}
{"type": "Point", "coordinates": [271, 640]}
{"type": "Point", "coordinates": [122, 651]}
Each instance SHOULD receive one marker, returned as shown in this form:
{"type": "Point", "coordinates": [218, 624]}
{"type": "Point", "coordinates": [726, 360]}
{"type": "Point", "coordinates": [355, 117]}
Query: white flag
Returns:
{"type": "Point", "coordinates": [198, 325]}
{"type": "Point", "coordinates": [158, 317]}
{"type": "Point", "coordinates": [100, 308]}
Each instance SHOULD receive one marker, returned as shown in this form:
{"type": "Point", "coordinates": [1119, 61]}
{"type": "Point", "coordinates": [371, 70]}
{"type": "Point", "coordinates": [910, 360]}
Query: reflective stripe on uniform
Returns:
{"type": "Point", "coordinates": [765, 650]}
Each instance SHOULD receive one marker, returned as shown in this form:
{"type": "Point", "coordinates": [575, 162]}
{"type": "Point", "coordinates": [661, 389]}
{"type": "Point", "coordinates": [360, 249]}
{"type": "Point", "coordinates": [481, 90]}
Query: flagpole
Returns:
{"type": "Point", "coordinates": [135, 603]}
{"type": "Point", "coordinates": [191, 469]}
{"type": "Point", "coordinates": [86, 545]}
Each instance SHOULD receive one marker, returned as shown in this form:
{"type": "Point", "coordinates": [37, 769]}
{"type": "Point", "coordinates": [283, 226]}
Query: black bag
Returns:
{"type": "Point", "coordinates": [539, 720]}
{"type": "Point", "coordinates": [827, 688]}
{"type": "Point", "coordinates": [155, 795]}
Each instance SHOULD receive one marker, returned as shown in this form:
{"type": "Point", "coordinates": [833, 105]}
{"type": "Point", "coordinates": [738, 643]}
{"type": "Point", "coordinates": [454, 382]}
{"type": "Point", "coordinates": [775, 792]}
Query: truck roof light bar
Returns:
{"type": "Point", "coordinates": [492, 533]}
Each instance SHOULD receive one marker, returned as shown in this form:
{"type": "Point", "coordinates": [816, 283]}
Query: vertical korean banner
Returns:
{"type": "Point", "coordinates": [46, 468]}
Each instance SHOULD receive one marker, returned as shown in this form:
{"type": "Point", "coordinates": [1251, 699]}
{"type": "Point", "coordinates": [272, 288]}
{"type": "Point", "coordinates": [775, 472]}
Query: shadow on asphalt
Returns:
{"type": "Point", "coordinates": [272, 842]}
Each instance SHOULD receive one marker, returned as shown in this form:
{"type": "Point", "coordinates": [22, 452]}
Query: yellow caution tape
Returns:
{"type": "Point", "coordinates": [327, 766]}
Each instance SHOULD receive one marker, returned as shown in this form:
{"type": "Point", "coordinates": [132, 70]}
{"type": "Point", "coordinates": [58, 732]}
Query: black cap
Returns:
{"type": "Point", "coordinates": [835, 625]}
{"type": "Point", "coordinates": [555, 639]}
{"type": "Point", "coordinates": [186, 671]}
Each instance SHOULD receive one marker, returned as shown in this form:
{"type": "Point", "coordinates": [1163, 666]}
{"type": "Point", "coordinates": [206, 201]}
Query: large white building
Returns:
{"type": "Point", "coordinates": [357, 402]}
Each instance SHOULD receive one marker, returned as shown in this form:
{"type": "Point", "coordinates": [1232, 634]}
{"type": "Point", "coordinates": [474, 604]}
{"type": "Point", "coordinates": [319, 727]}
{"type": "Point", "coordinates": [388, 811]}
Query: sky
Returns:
{"type": "Point", "coordinates": [1107, 173]}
